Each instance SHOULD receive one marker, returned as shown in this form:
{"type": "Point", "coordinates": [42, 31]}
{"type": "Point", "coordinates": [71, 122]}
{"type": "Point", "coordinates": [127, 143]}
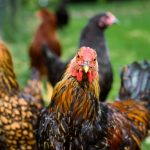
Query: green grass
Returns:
{"type": "Point", "coordinates": [128, 41]}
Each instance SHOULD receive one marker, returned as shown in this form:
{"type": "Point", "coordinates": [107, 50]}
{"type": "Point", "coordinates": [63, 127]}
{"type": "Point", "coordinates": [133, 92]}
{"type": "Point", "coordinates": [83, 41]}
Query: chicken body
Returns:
{"type": "Point", "coordinates": [92, 36]}
{"type": "Point", "coordinates": [52, 61]}
{"type": "Point", "coordinates": [46, 34]}
{"type": "Point", "coordinates": [62, 14]}
{"type": "Point", "coordinates": [76, 119]}
{"type": "Point", "coordinates": [18, 112]}
{"type": "Point", "coordinates": [33, 88]}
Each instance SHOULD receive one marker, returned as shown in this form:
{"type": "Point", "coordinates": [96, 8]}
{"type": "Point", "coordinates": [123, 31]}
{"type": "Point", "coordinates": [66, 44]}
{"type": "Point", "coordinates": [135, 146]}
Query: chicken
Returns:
{"type": "Point", "coordinates": [62, 14]}
{"type": "Point", "coordinates": [135, 81]}
{"type": "Point", "coordinates": [33, 88]}
{"type": "Point", "coordinates": [76, 119]}
{"type": "Point", "coordinates": [92, 36]}
{"type": "Point", "coordinates": [46, 33]}
{"type": "Point", "coordinates": [52, 62]}
{"type": "Point", "coordinates": [18, 112]}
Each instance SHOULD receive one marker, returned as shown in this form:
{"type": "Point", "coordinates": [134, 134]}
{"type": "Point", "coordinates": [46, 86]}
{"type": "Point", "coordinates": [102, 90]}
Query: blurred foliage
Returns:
{"type": "Point", "coordinates": [79, 1]}
{"type": "Point", "coordinates": [9, 11]}
{"type": "Point", "coordinates": [120, 0]}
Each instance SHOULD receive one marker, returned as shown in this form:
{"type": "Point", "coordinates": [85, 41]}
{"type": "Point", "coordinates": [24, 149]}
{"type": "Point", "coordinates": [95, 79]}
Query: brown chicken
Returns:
{"type": "Point", "coordinates": [18, 112]}
{"type": "Point", "coordinates": [46, 34]}
{"type": "Point", "coordinates": [76, 119]}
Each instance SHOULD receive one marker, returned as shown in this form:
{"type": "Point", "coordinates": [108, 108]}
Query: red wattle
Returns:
{"type": "Point", "coordinates": [91, 76]}
{"type": "Point", "coordinates": [79, 75]}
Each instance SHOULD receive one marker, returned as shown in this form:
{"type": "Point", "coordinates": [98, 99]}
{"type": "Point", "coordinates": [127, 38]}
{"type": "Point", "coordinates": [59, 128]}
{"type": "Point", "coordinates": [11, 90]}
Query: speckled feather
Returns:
{"type": "Point", "coordinates": [33, 88]}
{"type": "Point", "coordinates": [18, 113]}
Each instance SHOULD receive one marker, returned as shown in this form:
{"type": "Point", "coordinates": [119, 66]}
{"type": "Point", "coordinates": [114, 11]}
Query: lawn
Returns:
{"type": "Point", "coordinates": [128, 41]}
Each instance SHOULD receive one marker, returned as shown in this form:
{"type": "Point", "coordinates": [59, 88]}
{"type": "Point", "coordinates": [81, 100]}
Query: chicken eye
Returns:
{"type": "Point", "coordinates": [94, 59]}
{"type": "Point", "coordinates": [78, 56]}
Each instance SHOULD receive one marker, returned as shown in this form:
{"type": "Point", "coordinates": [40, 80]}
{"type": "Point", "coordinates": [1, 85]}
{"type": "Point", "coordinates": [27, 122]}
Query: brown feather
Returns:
{"type": "Point", "coordinates": [46, 34]}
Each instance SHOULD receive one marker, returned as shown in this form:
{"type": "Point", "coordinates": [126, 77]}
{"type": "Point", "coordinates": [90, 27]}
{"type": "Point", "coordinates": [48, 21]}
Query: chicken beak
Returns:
{"type": "Point", "coordinates": [86, 68]}
{"type": "Point", "coordinates": [115, 21]}
{"type": "Point", "coordinates": [112, 18]}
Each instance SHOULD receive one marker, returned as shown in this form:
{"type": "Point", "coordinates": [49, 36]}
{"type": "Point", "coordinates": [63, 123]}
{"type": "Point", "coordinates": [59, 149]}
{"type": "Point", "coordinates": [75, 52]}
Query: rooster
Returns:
{"type": "Point", "coordinates": [77, 119]}
{"type": "Point", "coordinates": [18, 111]}
{"type": "Point", "coordinates": [135, 81]}
{"type": "Point", "coordinates": [46, 33]}
{"type": "Point", "coordinates": [92, 36]}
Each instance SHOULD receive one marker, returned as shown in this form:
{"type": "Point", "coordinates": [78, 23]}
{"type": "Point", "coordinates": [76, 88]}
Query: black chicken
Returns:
{"type": "Point", "coordinates": [76, 119]}
{"type": "Point", "coordinates": [92, 36]}
{"type": "Point", "coordinates": [54, 65]}
{"type": "Point", "coordinates": [135, 81]}
{"type": "Point", "coordinates": [62, 14]}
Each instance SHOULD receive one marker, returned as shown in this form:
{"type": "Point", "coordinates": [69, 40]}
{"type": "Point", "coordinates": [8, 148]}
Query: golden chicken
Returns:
{"type": "Point", "coordinates": [18, 112]}
{"type": "Point", "coordinates": [33, 88]}
{"type": "Point", "coordinates": [77, 120]}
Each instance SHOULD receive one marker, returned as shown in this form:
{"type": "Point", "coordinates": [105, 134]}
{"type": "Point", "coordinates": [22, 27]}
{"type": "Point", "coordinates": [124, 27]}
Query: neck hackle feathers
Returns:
{"type": "Point", "coordinates": [79, 87]}
{"type": "Point", "coordinates": [7, 76]}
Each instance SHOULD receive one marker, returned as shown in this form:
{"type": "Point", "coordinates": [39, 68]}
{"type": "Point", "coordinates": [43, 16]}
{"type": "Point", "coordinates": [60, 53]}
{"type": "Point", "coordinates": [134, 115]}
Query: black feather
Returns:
{"type": "Point", "coordinates": [54, 65]}
{"type": "Point", "coordinates": [135, 81]}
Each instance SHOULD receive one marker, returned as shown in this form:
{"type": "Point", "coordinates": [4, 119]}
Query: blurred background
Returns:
{"type": "Point", "coordinates": [128, 41]}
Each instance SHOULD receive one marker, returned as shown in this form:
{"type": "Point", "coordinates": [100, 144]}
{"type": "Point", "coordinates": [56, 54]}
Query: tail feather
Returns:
{"type": "Point", "coordinates": [137, 115]}
{"type": "Point", "coordinates": [33, 88]}
{"type": "Point", "coordinates": [135, 82]}
{"type": "Point", "coordinates": [62, 14]}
